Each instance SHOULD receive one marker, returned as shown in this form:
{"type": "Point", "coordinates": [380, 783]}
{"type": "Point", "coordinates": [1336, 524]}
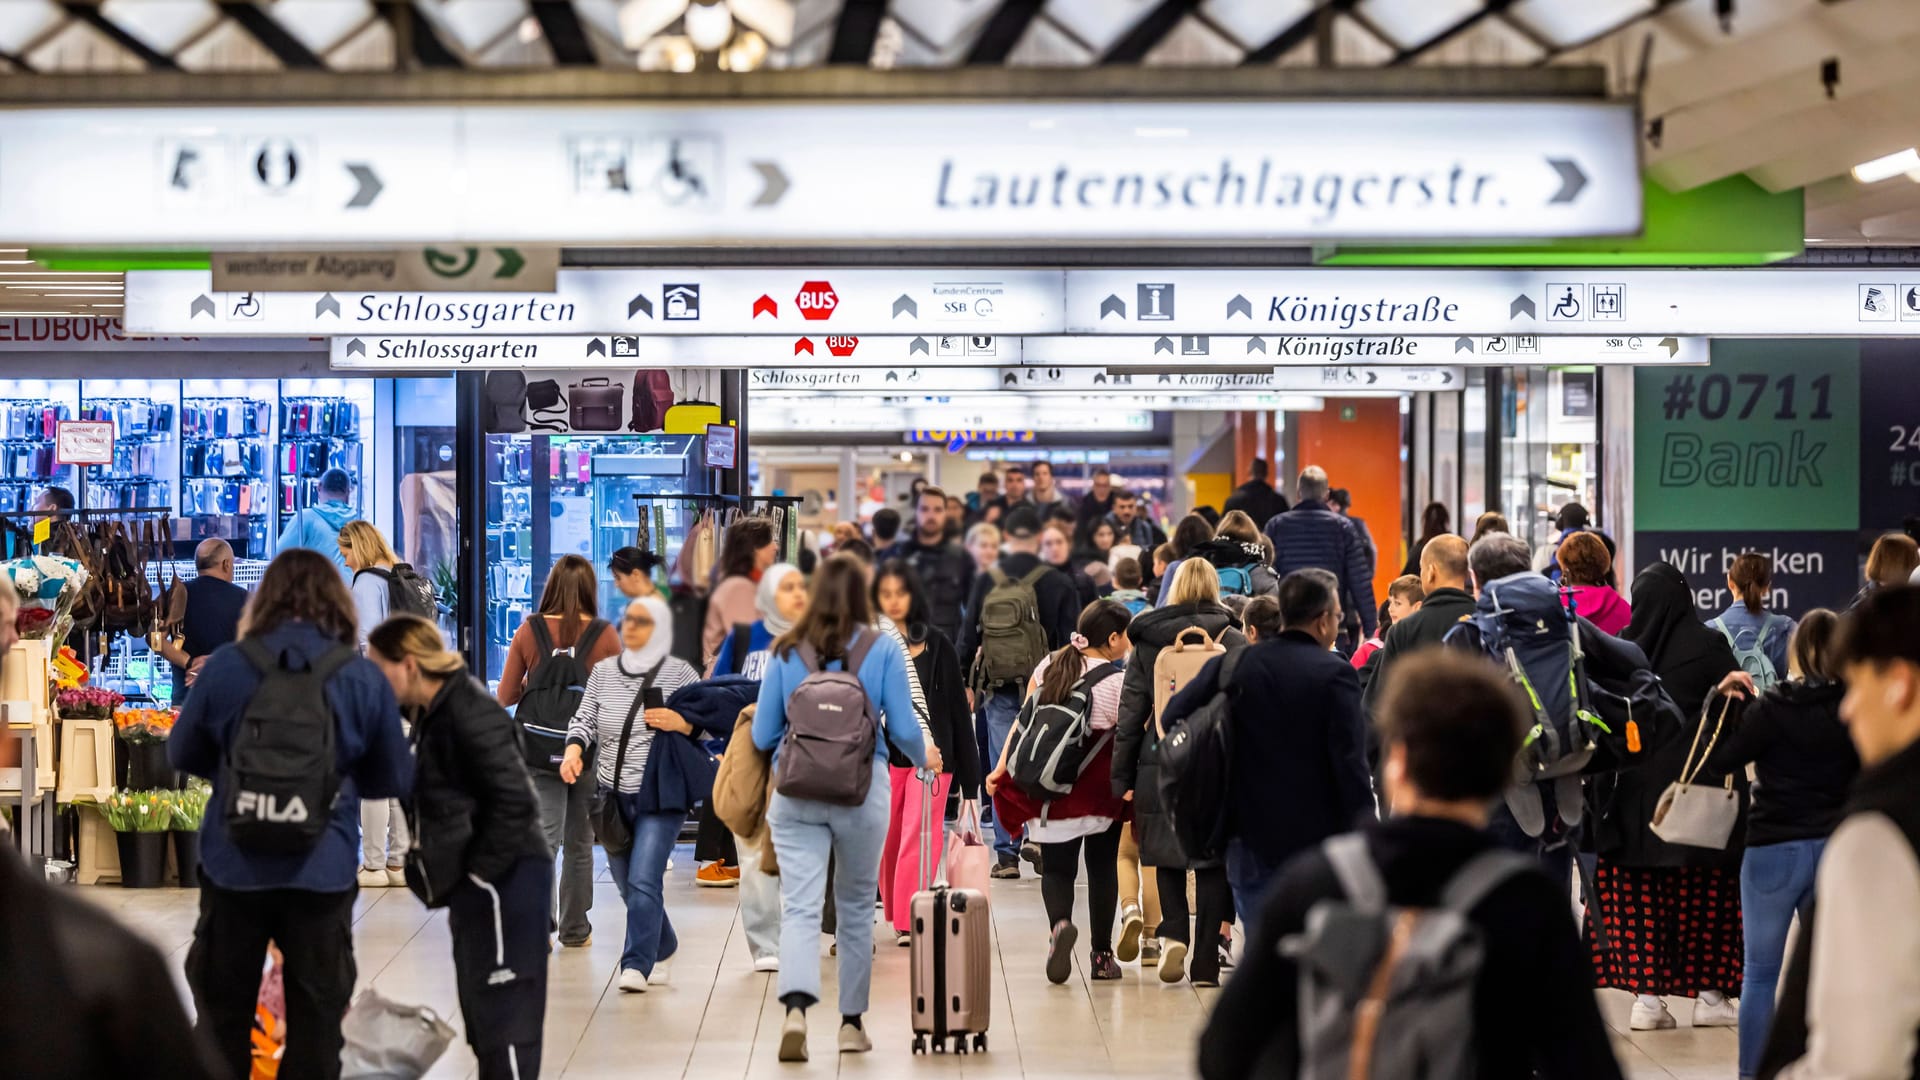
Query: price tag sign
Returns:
{"type": "Point", "coordinates": [83, 442]}
{"type": "Point", "coordinates": [722, 445]}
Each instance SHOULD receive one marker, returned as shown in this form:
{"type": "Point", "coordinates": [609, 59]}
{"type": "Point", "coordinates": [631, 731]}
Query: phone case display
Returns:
{"type": "Point", "coordinates": [317, 433]}
{"type": "Point", "coordinates": [30, 411]}
{"type": "Point", "coordinates": [146, 456]}
{"type": "Point", "coordinates": [226, 474]}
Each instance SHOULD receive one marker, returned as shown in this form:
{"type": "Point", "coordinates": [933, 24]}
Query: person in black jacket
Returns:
{"type": "Point", "coordinates": [1794, 738]}
{"type": "Point", "coordinates": [1059, 611]}
{"type": "Point", "coordinates": [479, 850]}
{"type": "Point", "coordinates": [1448, 599]}
{"type": "Point", "coordinates": [1313, 534]}
{"type": "Point", "coordinates": [899, 595]}
{"type": "Point", "coordinates": [1193, 602]}
{"type": "Point", "coordinates": [1452, 726]}
{"type": "Point", "coordinates": [1299, 773]}
{"type": "Point", "coordinates": [944, 566]}
{"type": "Point", "coordinates": [1672, 912]}
{"type": "Point", "coordinates": [1257, 498]}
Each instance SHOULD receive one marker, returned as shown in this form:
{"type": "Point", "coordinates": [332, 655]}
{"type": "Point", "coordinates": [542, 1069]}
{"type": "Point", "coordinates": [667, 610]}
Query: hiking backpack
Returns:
{"type": "Point", "coordinates": [1526, 624]}
{"type": "Point", "coordinates": [407, 592]}
{"type": "Point", "coordinates": [1196, 764]}
{"type": "Point", "coordinates": [281, 776]}
{"type": "Point", "coordinates": [1752, 655]}
{"type": "Point", "coordinates": [1055, 742]}
{"type": "Point", "coordinates": [554, 689]}
{"type": "Point", "coordinates": [1012, 642]}
{"type": "Point", "coordinates": [827, 753]}
{"type": "Point", "coordinates": [1388, 991]}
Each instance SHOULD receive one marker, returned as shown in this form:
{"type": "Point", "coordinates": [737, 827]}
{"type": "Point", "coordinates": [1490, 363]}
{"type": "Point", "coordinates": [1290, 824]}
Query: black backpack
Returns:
{"type": "Point", "coordinates": [506, 399]}
{"type": "Point", "coordinates": [1055, 742]}
{"type": "Point", "coordinates": [1196, 765]}
{"type": "Point", "coordinates": [554, 690]}
{"type": "Point", "coordinates": [281, 776]}
{"type": "Point", "coordinates": [407, 592]}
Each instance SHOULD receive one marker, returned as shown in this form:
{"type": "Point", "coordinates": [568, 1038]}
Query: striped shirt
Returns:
{"type": "Point", "coordinates": [920, 712]}
{"type": "Point", "coordinates": [611, 691]}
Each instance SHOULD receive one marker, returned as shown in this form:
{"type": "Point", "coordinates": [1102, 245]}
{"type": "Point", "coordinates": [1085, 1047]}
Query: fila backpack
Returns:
{"type": "Point", "coordinates": [281, 775]}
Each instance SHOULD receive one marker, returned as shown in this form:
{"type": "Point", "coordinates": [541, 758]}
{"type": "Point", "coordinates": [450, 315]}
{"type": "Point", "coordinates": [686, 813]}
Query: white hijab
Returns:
{"type": "Point", "coordinates": [637, 662]}
{"type": "Point", "coordinates": [766, 598]}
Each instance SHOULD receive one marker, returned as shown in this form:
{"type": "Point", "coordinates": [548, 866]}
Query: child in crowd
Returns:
{"type": "Point", "coordinates": [1126, 587]}
{"type": "Point", "coordinates": [1404, 597]}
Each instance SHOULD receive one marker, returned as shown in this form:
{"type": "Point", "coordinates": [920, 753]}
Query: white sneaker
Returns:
{"type": "Point", "coordinates": [767, 963]}
{"type": "Point", "coordinates": [373, 879]}
{"type": "Point", "coordinates": [853, 1040]}
{"type": "Point", "coordinates": [1722, 1013]}
{"type": "Point", "coordinates": [1173, 962]}
{"type": "Point", "coordinates": [793, 1036]}
{"type": "Point", "coordinates": [1651, 1019]}
{"type": "Point", "coordinates": [632, 982]}
{"type": "Point", "coordinates": [662, 973]}
{"type": "Point", "coordinates": [397, 878]}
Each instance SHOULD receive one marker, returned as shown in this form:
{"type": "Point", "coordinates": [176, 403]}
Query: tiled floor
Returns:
{"type": "Point", "coordinates": [719, 1019]}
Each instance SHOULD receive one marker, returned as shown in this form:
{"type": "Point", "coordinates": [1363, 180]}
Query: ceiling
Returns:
{"type": "Point", "coordinates": [1791, 93]}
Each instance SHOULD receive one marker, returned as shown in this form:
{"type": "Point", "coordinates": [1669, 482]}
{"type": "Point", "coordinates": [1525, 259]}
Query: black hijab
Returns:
{"type": "Point", "coordinates": [1689, 657]}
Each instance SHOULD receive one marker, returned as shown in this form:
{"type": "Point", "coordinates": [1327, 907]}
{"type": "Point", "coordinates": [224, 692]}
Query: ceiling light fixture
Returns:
{"type": "Point", "coordinates": [1888, 167]}
{"type": "Point", "coordinates": [709, 25]}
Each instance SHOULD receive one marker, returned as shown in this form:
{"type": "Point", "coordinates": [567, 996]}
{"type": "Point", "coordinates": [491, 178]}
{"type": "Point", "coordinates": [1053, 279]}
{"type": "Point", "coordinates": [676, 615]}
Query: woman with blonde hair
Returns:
{"type": "Point", "coordinates": [983, 543]}
{"type": "Point", "coordinates": [1892, 561]}
{"type": "Point", "coordinates": [1193, 600]}
{"type": "Point", "coordinates": [383, 825]}
{"type": "Point", "coordinates": [481, 853]}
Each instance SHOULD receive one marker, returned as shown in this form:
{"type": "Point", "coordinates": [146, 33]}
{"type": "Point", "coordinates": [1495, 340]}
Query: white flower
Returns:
{"type": "Point", "coordinates": [26, 577]}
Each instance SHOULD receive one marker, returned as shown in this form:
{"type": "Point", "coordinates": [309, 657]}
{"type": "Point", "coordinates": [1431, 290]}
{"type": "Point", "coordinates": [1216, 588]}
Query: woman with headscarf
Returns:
{"type": "Point", "coordinates": [1672, 912]}
{"type": "Point", "coordinates": [649, 762]}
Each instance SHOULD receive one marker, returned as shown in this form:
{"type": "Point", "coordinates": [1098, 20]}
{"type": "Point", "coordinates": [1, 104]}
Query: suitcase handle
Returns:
{"type": "Point", "coordinates": [927, 781]}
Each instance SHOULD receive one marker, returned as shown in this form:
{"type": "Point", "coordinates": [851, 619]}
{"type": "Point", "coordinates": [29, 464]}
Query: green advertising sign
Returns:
{"type": "Point", "coordinates": [1767, 439]}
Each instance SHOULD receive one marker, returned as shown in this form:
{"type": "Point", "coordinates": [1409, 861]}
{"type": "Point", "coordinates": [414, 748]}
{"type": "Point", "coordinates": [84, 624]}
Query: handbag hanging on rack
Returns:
{"type": "Point", "coordinates": [171, 611]}
{"type": "Point", "coordinates": [1699, 815]}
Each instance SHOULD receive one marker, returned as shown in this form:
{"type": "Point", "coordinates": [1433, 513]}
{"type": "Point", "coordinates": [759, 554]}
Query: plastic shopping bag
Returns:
{"type": "Point", "coordinates": [389, 1041]}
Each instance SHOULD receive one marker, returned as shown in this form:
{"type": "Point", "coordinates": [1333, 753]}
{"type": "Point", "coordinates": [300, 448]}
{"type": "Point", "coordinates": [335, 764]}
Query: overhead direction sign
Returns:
{"type": "Point", "coordinates": [822, 172]}
{"type": "Point", "coordinates": [452, 268]}
{"type": "Point", "coordinates": [1108, 383]}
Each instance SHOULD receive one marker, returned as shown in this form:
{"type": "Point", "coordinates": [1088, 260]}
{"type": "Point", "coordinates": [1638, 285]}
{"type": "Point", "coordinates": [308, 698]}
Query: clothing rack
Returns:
{"type": "Point", "coordinates": [651, 531]}
{"type": "Point", "coordinates": [18, 524]}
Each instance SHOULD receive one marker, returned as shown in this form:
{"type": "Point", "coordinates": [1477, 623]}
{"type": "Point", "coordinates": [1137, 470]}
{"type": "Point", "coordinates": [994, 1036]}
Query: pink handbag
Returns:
{"type": "Point", "coordinates": [969, 858]}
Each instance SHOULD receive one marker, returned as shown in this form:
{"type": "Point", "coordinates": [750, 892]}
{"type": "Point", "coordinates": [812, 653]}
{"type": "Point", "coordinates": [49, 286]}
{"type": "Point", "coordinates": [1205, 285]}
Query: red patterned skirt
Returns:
{"type": "Point", "coordinates": [1674, 931]}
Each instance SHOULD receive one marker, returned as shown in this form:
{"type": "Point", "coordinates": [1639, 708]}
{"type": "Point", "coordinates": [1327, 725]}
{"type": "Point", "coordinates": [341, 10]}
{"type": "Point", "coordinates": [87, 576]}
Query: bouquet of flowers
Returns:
{"type": "Point", "coordinates": [47, 586]}
{"type": "Point", "coordinates": [144, 725]}
{"type": "Point", "coordinates": [138, 811]}
{"type": "Point", "coordinates": [190, 806]}
{"type": "Point", "coordinates": [88, 703]}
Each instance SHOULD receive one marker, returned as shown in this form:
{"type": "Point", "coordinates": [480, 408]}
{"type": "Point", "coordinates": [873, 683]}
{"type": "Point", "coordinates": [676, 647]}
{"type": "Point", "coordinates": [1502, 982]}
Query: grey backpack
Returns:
{"type": "Point", "coordinates": [1387, 991]}
{"type": "Point", "coordinates": [827, 754]}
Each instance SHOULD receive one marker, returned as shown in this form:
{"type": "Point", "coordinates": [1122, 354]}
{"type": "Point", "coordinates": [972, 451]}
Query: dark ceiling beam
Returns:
{"type": "Point", "coordinates": [1487, 8]}
{"type": "Point", "coordinates": [1285, 41]}
{"type": "Point", "coordinates": [90, 14]}
{"type": "Point", "coordinates": [855, 30]}
{"type": "Point", "coordinates": [415, 44]}
{"type": "Point", "coordinates": [565, 36]}
{"type": "Point", "coordinates": [271, 36]}
{"type": "Point", "coordinates": [1004, 29]}
{"type": "Point", "coordinates": [1658, 7]}
{"type": "Point", "coordinates": [1149, 31]}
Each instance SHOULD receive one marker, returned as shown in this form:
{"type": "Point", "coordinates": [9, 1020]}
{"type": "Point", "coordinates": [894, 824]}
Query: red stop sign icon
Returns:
{"type": "Point", "coordinates": [842, 346]}
{"type": "Point", "coordinates": [817, 300]}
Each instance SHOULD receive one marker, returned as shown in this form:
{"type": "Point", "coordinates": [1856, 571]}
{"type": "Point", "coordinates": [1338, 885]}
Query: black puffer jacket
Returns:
{"type": "Point", "coordinates": [473, 809]}
{"type": "Point", "coordinates": [1135, 748]}
{"type": "Point", "coordinates": [947, 572]}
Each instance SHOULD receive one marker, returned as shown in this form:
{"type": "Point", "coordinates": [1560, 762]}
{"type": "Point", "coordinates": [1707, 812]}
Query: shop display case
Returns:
{"type": "Point", "coordinates": [226, 472]}
{"type": "Point", "coordinates": [146, 450]}
{"type": "Point", "coordinates": [30, 409]}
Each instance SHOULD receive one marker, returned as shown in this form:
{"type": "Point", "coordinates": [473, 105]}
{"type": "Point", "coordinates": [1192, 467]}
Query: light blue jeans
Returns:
{"type": "Point", "coordinates": [1776, 880]}
{"type": "Point", "coordinates": [805, 833]}
{"type": "Point", "coordinates": [640, 875]}
{"type": "Point", "coordinates": [1003, 708]}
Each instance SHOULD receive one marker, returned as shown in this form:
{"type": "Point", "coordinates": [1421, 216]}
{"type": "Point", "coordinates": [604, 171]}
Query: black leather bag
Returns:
{"type": "Point", "coordinates": [506, 393]}
{"type": "Point", "coordinates": [610, 829]}
{"type": "Point", "coordinates": [596, 404]}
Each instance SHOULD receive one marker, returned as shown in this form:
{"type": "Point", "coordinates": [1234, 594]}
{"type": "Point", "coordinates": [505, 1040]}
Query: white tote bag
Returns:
{"type": "Point", "coordinates": [1699, 815]}
{"type": "Point", "coordinates": [389, 1041]}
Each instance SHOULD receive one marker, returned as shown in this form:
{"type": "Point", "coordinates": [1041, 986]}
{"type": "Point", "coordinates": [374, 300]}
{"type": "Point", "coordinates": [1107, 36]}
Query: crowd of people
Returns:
{"type": "Point", "coordinates": [1504, 722]}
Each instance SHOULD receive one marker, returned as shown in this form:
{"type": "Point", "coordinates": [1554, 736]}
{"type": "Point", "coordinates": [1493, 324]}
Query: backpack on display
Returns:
{"type": "Point", "coordinates": [554, 690]}
{"type": "Point", "coordinates": [1196, 769]}
{"type": "Point", "coordinates": [827, 754]}
{"type": "Point", "coordinates": [652, 399]}
{"type": "Point", "coordinates": [1055, 742]}
{"type": "Point", "coordinates": [506, 394]}
{"type": "Point", "coordinates": [1525, 623]}
{"type": "Point", "coordinates": [1750, 649]}
{"type": "Point", "coordinates": [1179, 662]}
{"type": "Point", "coordinates": [1388, 991]}
{"type": "Point", "coordinates": [407, 592]}
{"type": "Point", "coordinates": [281, 776]}
{"type": "Point", "coordinates": [1012, 642]}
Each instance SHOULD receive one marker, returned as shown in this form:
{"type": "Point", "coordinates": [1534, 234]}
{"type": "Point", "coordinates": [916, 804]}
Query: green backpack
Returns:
{"type": "Point", "coordinates": [1012, 642]}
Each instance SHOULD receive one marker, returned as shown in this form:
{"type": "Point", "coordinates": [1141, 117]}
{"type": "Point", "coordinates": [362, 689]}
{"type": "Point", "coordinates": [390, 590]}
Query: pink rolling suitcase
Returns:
{"type": "Point", "coordinates": [952, 975]}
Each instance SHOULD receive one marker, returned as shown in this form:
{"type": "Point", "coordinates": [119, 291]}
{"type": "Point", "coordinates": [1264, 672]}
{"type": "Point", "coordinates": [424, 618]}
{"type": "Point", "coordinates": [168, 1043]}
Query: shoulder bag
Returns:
{"type": "Point", "coordinates": [610, 829]}
{"type": "Point", "coordinates": [1699, 815]}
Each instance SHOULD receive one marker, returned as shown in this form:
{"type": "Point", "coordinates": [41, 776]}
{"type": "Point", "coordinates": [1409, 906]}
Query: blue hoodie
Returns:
{"type": "Point", "coordinates": [374, 761]}
{"type": "Point", "coordinates": [317, 528]}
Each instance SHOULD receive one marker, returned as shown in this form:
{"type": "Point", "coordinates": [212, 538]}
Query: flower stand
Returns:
{"type": "Point", "coordinates": [186, 857]}
{"type": "Point", "coordinates": [86, 760]}
{"type": "Point", "coordinates": [99, 851]}
{"type": "Point", "coordinates": [143, 859]}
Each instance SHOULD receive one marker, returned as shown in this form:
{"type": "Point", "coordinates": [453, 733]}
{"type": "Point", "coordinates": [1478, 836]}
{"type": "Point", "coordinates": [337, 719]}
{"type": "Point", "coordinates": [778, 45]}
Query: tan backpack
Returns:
{"type": "Point", "coordinates": [1178, 663]}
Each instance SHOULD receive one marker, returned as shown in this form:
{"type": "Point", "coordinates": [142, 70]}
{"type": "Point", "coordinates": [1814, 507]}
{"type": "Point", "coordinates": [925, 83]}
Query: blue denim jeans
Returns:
{"type": "Point", "coordinates": [1002, 708]}
{"type": "Point", "coordinates": [640, 875]}
{"type": "Point", "coordinates": [1776, 880]}
{"type": "Point", "coordinates": [805, 833]}
{"type": "Point", "coordinates": [1249, 875]}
